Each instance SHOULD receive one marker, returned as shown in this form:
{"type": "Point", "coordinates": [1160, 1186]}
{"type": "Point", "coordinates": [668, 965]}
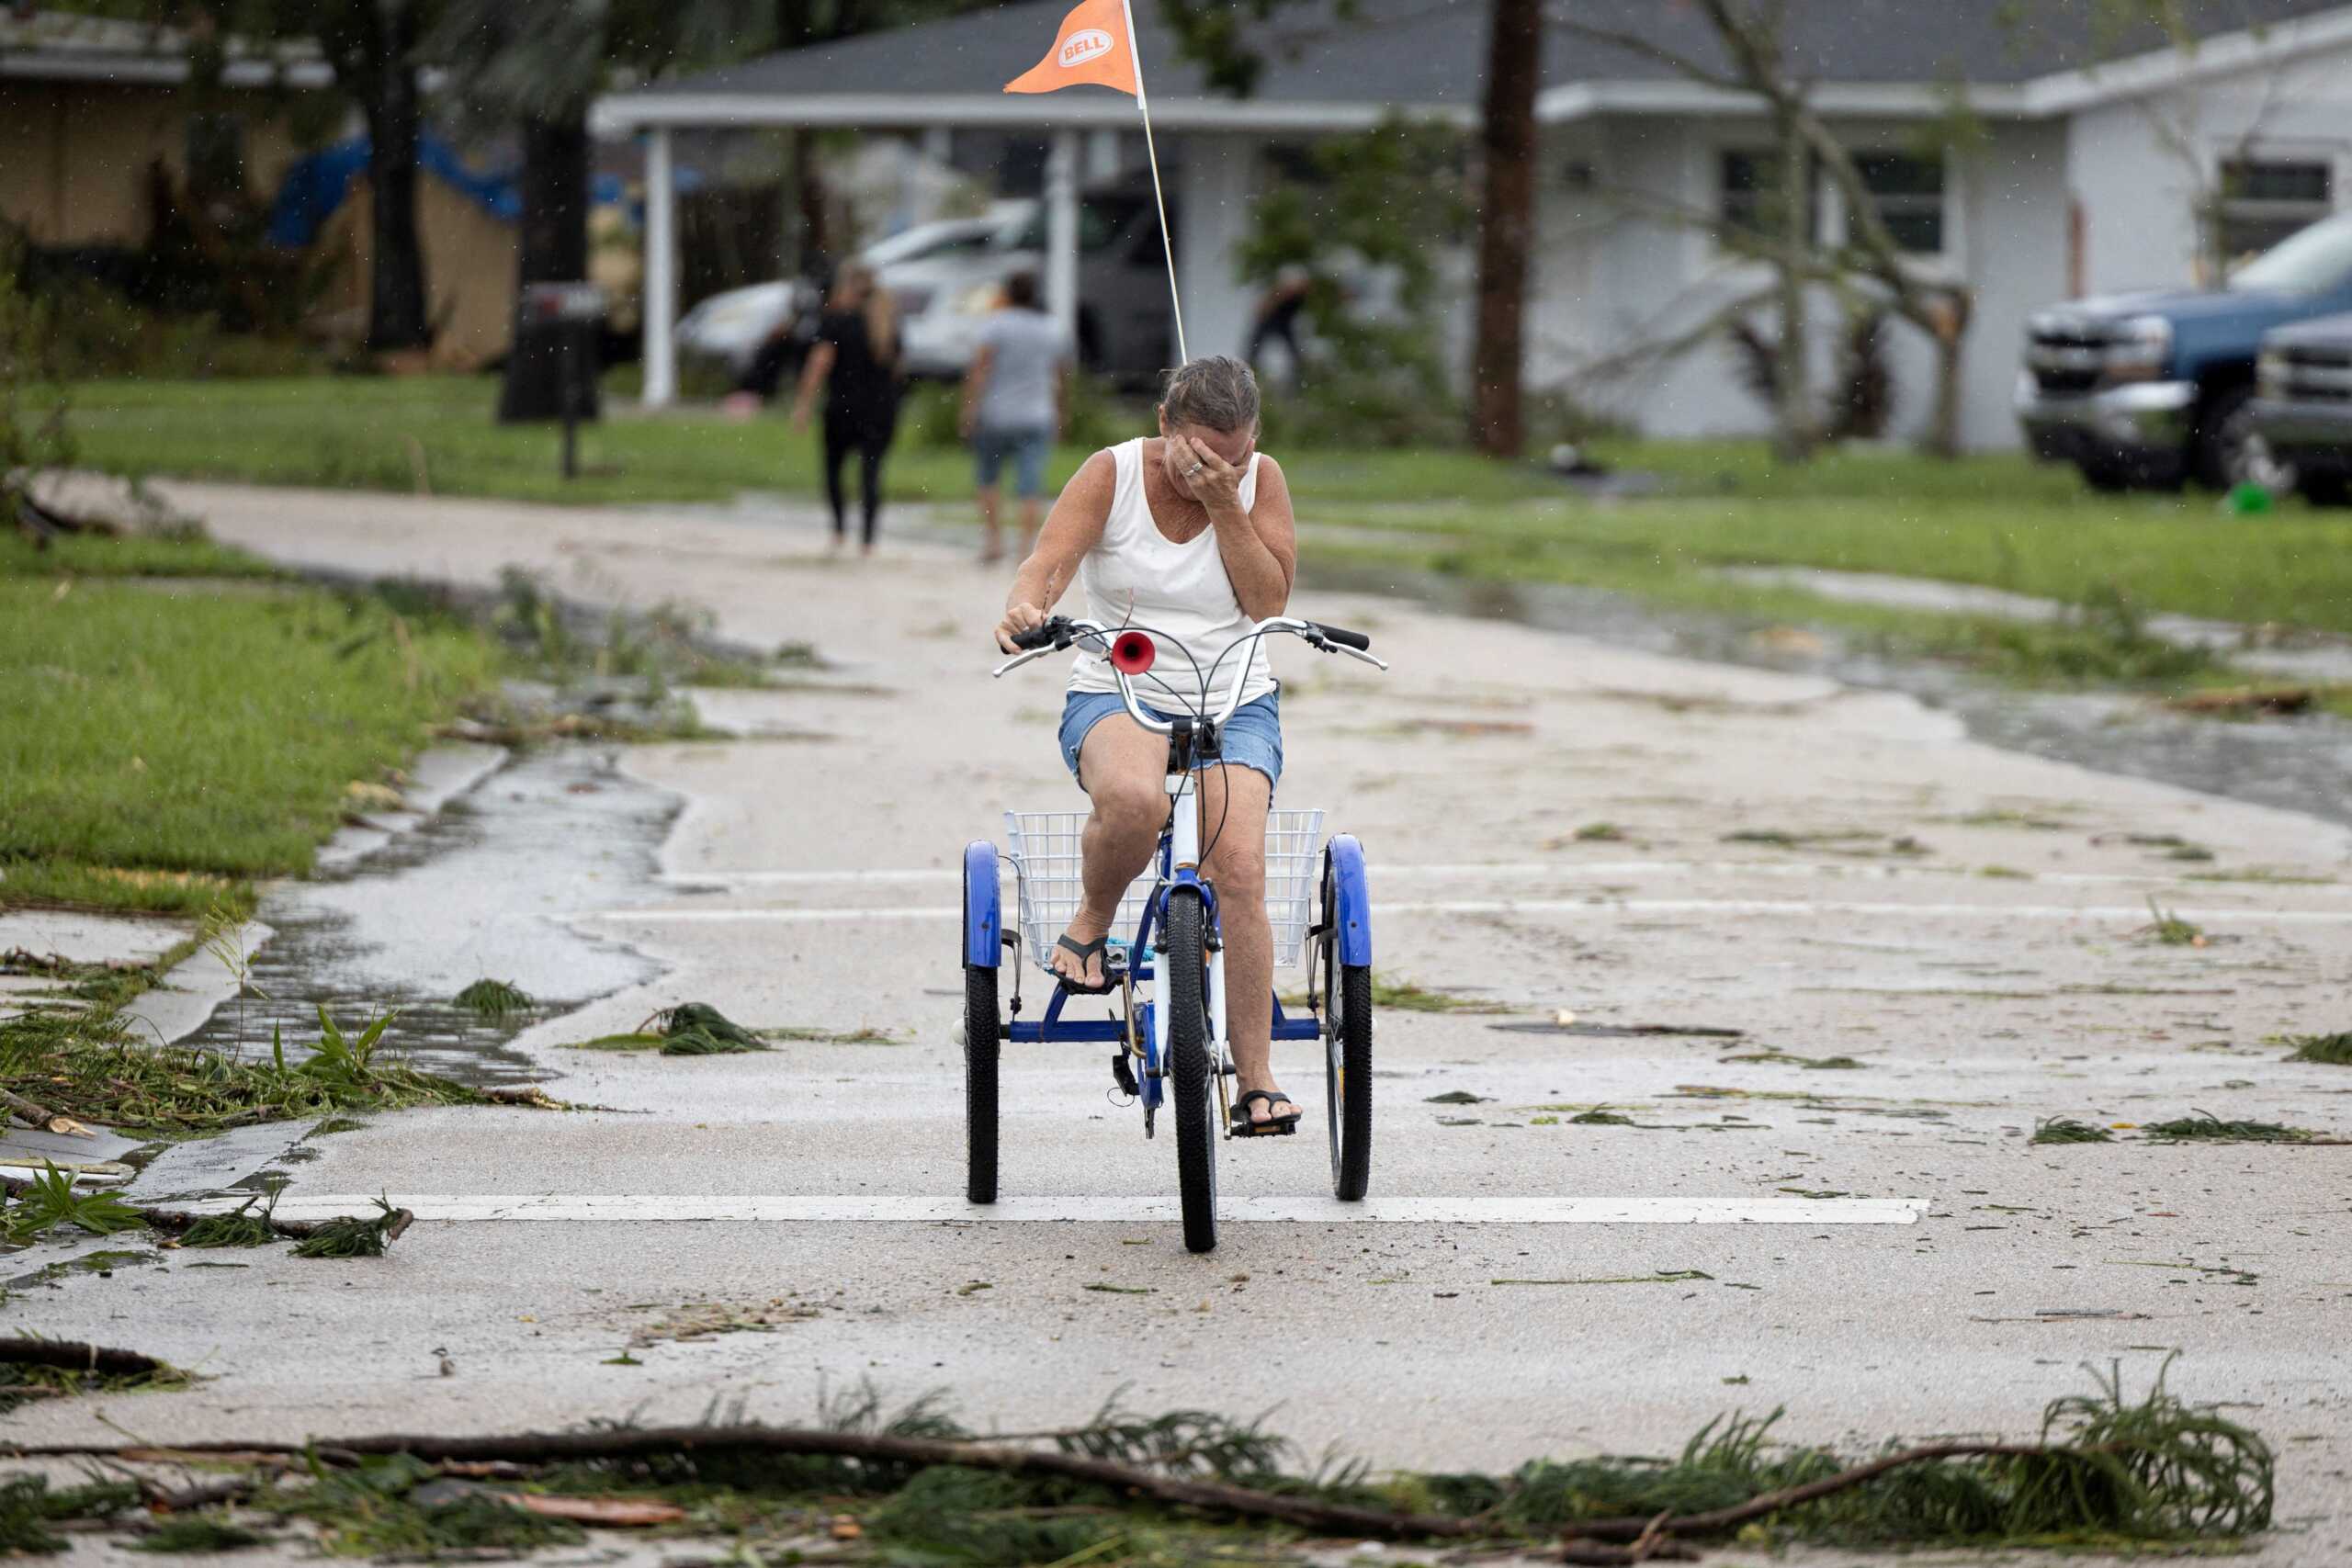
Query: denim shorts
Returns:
{"type": "Point", "coordinates": [1253, 737]}
{"type": "Point", "coordinates": [1026, 448]}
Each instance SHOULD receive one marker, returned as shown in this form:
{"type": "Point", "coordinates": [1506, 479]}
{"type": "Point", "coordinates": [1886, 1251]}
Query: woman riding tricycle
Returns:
{"type": "Point", "coordinates": [1184, 548]}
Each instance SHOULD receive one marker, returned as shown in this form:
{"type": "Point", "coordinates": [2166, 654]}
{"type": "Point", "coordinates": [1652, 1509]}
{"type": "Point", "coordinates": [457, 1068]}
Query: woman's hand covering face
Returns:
{"type": "Point", "coordinates": [1198, 471]}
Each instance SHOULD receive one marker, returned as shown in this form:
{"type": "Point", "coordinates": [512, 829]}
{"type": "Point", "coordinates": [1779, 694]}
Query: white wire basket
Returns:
{"type": "Point", "coordinates": [1046, 872]}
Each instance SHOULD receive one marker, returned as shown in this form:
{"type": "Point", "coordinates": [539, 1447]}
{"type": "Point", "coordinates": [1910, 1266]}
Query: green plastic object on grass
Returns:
{"type": "Point", "coordinates": [2247, 498]}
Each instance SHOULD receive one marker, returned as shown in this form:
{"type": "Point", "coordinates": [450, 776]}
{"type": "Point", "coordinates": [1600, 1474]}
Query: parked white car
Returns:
{"type": "Point", "coordinates": [1124, 329]}
{"type": "Point", "coordinates": [729, 328]}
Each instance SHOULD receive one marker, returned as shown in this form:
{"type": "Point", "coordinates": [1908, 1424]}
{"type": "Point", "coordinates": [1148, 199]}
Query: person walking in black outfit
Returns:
{"type": "Point", "coordinates": [855, 360]}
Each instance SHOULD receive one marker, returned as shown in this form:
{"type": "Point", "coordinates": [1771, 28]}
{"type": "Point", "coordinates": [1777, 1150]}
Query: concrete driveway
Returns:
{"type": "Point", "coordinates": [1554, 827]}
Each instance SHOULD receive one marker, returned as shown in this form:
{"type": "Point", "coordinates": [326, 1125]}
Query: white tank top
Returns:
{"type": "Point", "coordinates": [1137, 574]}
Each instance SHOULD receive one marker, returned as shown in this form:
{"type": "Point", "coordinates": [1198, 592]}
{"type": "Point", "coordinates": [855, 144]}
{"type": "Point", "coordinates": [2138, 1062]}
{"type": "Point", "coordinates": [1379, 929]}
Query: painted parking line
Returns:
{"type": "Point", "coordinates": [2136, 914]}
{"type": "Point", "coordinates": [873, 1209]}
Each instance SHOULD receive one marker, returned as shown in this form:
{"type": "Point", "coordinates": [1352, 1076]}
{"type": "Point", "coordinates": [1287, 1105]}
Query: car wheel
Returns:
{"type": "Point", "coordinates": [2224, 449]}
{"type": "Point", "coordinates": [2108, 479]}
{"type": "Point", "coordinates": [2326, 489]}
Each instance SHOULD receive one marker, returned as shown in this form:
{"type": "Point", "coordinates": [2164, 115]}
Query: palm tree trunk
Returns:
{"type": "Point", "coordinates": [398, 313]}
{"type": "Point", "coordinates": [1506, 227]}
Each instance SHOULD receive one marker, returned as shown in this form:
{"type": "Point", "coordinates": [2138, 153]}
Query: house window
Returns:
{"type": "Point", "coordinates": [1908, 192]}
{"type": "Point", "coordinates": [2263, 200]}
{"type": "Point", "coordinates": [1750, 200]}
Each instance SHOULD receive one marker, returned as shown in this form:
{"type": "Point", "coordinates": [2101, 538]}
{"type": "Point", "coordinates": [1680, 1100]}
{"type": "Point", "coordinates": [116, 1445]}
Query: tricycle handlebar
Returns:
{"type": "Point", "coordinates": [1058, 632]}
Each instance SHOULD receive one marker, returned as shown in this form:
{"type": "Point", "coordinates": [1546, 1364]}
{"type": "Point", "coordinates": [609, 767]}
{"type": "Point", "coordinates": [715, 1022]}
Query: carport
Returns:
{"type": "Point", "coordinates": [934, 80]}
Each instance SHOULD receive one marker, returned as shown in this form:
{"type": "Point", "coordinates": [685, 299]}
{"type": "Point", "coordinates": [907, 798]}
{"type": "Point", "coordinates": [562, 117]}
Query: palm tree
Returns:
{"type": "Point", "coordinates": [541, 62]}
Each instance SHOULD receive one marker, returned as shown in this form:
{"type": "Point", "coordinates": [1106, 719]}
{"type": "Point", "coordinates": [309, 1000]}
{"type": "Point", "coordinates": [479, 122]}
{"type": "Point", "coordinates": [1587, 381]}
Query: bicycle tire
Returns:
{"type": "Point", "coordinates": [1183, 963]}
{"type": "Point", "coordinates": [1347, 1076]}
{"type": "Point", "coordinates": [983, 1047]}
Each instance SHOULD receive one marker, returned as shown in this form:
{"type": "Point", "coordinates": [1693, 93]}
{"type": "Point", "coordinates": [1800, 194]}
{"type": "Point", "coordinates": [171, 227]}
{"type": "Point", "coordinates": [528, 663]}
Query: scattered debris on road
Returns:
{"type": "Point", "coordinates": [2107, 1472]}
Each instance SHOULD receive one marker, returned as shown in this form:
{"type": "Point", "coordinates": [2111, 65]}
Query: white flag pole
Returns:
{"type": "Point", "coordinates": [1166, 242]}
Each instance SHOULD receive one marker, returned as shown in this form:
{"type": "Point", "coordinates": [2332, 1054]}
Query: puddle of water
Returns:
{"type": "Point", "coordinates": [2298, 764]}
{"type": "Point", "coordinates": [465, 897]}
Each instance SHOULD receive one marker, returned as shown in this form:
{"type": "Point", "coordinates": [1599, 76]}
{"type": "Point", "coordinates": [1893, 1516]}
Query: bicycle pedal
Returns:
{"type": "Point", "coordinates": [1125, 1074]}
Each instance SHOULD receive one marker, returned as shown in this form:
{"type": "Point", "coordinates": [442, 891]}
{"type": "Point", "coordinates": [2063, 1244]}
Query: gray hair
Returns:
{"type": "Point", "coordinates": [1218, 392]}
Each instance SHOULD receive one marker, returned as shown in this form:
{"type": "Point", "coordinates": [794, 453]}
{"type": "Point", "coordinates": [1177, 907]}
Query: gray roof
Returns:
{"type": "Point", "coordinates": [1431, 53]}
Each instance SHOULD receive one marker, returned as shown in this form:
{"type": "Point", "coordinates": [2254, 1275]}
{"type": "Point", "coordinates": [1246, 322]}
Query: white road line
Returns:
{"type": "Point", "coordinates": [2136, 914]}
{"type": "Point", "coordinates": [868, 1209]}
{"type": "Point", "coordinates": [1859, 871]}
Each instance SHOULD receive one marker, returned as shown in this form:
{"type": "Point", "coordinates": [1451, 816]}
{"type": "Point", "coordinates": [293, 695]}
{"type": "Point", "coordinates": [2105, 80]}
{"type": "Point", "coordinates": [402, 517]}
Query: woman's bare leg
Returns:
{"type": "Point", "coordinates": [1234, 801]}
{"type": "Point", "coordinates": [1124, 767]}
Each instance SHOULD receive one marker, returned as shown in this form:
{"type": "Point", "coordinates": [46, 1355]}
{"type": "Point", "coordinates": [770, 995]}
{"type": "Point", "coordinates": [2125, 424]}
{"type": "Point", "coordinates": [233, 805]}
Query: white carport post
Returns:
{"type": "Point", "coordinates": [661, 303]}
{"type": "Point", "coordinates": [1061, 233]}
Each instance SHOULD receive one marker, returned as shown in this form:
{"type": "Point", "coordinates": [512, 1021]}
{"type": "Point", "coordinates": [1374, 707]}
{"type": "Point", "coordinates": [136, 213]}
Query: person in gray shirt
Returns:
{"type": "Point", "coordinates": [1014, 398]}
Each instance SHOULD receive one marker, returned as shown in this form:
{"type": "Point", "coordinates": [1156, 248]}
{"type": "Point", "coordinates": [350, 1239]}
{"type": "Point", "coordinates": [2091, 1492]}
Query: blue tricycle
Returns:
{"type": "Point", "coordinates": [1168, 998]}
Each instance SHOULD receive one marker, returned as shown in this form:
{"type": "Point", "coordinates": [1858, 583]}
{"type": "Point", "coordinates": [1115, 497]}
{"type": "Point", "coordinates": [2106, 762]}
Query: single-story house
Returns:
{"type": "Point", "coordinates": [2086, 154]}
{"type": "Point", "coordinates": [89, 103]}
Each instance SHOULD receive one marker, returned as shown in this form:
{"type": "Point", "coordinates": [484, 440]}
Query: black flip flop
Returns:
{"type": "Point", "coordinates": [1086, 949]}
{"type": "Point", "coordinates": [1246, 1126]}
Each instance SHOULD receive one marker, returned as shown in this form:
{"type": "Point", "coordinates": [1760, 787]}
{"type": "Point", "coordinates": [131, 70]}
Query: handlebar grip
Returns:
{"type": "Point", "coordinates": [1042, 634]}
{"type": "Point", "coordinates": [1344, 638]}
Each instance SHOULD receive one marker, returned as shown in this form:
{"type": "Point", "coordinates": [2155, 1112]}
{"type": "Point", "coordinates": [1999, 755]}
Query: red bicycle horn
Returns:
{"type": "Point", "coordinates": [1132, 653]}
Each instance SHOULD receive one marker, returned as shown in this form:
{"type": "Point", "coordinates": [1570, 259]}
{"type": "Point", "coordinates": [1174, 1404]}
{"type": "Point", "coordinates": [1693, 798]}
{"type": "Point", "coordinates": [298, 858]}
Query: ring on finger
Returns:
{"type": "Point", "coordinates": [1193, 469]}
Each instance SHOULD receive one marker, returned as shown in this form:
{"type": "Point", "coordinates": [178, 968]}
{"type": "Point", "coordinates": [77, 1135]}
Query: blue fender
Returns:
{"type": "Point", "coordinates": [1354, 901]}
{"type": "Point", "coordinates": [983, 909]}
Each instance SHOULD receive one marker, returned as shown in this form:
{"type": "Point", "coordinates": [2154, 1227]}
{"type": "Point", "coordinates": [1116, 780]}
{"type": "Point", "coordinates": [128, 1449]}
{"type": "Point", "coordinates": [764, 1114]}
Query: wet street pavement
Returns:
{"type": "Point", "coordinates": [1617, 856]}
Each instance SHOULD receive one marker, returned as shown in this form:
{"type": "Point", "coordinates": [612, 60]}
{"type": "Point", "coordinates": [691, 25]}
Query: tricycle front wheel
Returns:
{"type": "Point", "coordinates": [1347, 1055]}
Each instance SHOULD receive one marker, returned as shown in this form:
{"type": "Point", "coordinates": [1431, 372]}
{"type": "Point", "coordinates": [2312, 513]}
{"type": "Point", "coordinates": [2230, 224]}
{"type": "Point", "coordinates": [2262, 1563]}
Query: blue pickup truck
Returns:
{"type": "Point", "coordinates": [2156, 389]}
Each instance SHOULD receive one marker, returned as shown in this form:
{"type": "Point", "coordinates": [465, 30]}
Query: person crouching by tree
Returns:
{"type": "Point", "coordinates": [855, 361]}
{"type": "Point", "coordinates": [1014, 396]}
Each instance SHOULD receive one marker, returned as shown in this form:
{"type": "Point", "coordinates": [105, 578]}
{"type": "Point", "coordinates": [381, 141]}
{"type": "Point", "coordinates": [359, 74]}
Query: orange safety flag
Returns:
{"type": "Point", "coordinates": [1093, 46]}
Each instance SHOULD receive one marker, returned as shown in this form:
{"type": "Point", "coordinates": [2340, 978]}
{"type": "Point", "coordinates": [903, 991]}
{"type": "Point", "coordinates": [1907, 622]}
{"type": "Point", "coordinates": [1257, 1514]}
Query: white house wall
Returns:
{"type": "Point", "coordinates": [2014, 214]}
{"type": "Point", "coordinates": [2129, 163]}
{"type": "Point", "coordinates": [1215, 188]}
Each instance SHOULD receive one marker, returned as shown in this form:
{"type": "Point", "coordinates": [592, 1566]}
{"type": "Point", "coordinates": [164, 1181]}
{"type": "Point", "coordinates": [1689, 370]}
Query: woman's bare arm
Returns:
{"type": "Point", "coordinates": [1072, 530]}
{"type": "Point", "coordinates": [812, 376]}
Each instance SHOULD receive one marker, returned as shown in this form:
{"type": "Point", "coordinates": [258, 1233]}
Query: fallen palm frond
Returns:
{"type": "Point", "coordinates": [2066, 1130]}
{"type": "Point", "coordinates": [2170, 929]}
{"type": "Point", "coordinates": [2106, 1470]}
{"type": "Point", "coordinates": [697, 1029]}
{"type": "Point", "coordinates": [34, 1369]}
{"type": "Point", "coordinates": [27, 1507]}
{"type": "Point", "coordinates": [2207, 1127]}
{"type": "Point", "coordinates": [49, 1200]}
{"type": "Point", "coordinates": [494, 1002]}
{"type": "Point", "coordinates": [199, 1532]}
{"type": "Point", "coordinates": [92, 1070]}
{"type": "Point", "coordinates": [239, 1227]}
{"type": "Point", "coordinates": [357, 1238]}
{"type": "Point", "coordinates": [2334, 1049]}
{"type": "Point", "coordinates": [236, 1228]}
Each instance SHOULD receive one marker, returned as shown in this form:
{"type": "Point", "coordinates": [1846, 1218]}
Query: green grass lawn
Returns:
{"type": "Point", "coordinates": [2292, 567]}
{"type": "Point", "coordinates": [1994, 520]}
{"type": "Point", "coordinates": [178, 724]}
{"type": "Point", "coordinates": [436, 433]}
